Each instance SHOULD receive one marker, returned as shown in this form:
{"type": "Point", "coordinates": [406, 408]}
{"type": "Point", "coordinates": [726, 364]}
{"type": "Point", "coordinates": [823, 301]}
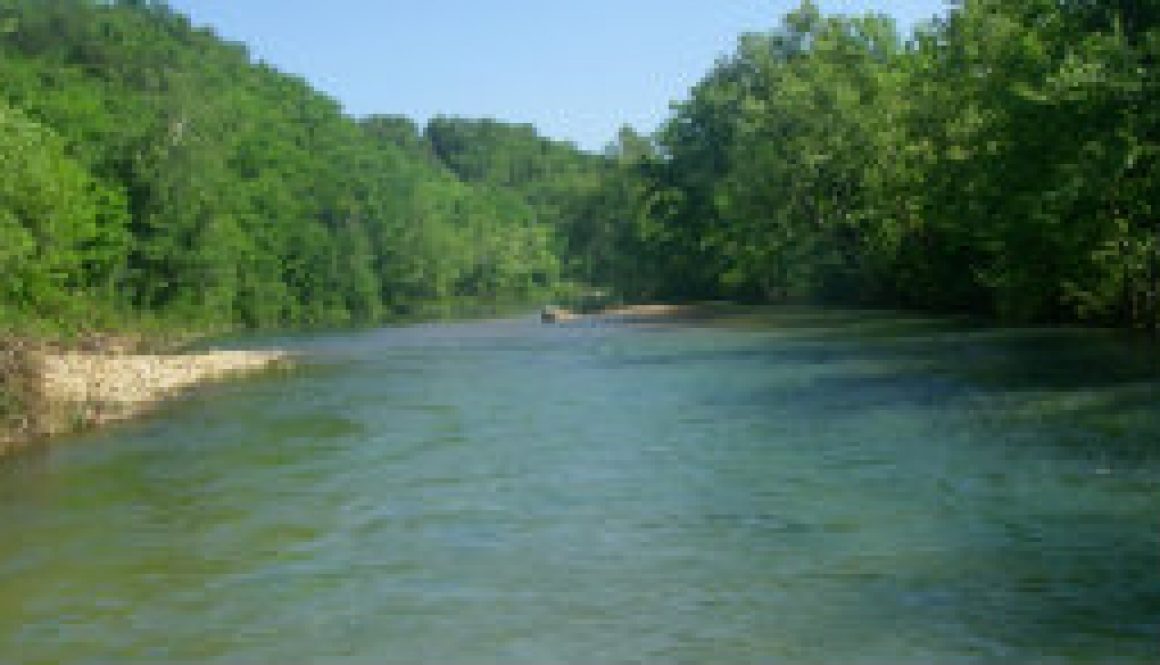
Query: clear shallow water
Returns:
{"type": "Point", "coordinates": [791, 485]}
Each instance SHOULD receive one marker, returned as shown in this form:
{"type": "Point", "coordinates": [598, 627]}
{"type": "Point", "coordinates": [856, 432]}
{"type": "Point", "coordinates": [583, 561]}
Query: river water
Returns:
{"type": "Point", "coordinates": [771, 485]}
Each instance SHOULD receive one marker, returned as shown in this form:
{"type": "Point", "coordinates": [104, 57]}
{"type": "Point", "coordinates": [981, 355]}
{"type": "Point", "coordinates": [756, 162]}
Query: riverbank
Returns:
{"type": "Point", "coordinates": [624, 313]}
{"type": "Point", "coordinates": [654, 310]}
{"type": "Point", "coordinates": [46, 391]}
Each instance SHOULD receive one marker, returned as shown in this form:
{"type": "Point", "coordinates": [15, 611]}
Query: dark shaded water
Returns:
{"type": "Point", "coordinates": [780, 485]}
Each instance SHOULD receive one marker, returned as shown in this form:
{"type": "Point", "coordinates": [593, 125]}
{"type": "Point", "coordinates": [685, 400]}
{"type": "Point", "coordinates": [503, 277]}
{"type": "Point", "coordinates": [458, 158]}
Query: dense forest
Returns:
{"type": "Point", "coordinates": [155, 173]}
{"type": "Point", "coordinates": [1000, 161]}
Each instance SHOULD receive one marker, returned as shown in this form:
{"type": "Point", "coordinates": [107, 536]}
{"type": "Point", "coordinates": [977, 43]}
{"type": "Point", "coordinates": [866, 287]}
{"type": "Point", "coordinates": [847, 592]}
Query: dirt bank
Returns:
{"type": "Point", "coordinates": [49, 391]}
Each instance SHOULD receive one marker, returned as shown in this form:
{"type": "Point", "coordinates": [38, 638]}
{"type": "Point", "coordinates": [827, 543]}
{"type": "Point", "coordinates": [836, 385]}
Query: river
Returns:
{"type": "Point", "coordinates": [796, 485]}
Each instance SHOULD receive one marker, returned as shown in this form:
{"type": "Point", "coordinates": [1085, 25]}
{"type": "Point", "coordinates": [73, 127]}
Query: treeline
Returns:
{"type": "Point", "coordinates": [1002, 161]}
{"type": "Point", "coordinates": [152, 171]}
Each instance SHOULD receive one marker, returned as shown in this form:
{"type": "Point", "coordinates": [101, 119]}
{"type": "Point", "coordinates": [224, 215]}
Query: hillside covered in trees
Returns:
{"type": "Point", "coordinates": [1001, 161]}
{"type": "Point", "coordinates": [155, 172]}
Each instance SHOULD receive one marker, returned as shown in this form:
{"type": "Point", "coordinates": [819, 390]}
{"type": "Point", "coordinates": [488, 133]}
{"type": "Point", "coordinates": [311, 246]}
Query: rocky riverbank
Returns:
{"type": "Point", "coordinates": [626, 313]}
{"type": "Point", "coordinates": [45, 391]}
{"type": "Point", "coordinates": [647, 311]}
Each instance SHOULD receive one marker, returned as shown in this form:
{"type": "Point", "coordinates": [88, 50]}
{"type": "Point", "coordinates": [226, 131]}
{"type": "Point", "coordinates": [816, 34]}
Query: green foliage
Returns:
{"type": "Point", "coordinates": [555, 180]}
{"type": "Point", "coordinates": [160, 172]}
{"type": "Point", "coordinates": [62, 236]}
{"type": "Point", "coordinates": [1003, 161]}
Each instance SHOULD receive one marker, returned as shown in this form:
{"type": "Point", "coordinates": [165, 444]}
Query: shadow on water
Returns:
{"type": "Point", "coordinates": [1104, 385]}
{"type": "Point", "coordinates": [1068, 556]}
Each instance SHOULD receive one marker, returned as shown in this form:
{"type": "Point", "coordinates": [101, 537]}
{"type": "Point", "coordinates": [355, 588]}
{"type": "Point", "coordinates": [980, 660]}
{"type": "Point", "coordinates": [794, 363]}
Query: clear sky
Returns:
{"type": "Point", "coordinates": [577, 69]}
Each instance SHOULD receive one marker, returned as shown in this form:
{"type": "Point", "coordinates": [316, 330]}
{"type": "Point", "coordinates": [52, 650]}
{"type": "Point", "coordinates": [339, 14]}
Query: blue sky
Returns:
{"type": "Point", "coordinates": [577, 69]}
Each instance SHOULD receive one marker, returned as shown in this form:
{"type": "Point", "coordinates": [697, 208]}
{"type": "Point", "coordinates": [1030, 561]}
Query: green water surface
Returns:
{"type": "Point", "coordinates": [762, 486]}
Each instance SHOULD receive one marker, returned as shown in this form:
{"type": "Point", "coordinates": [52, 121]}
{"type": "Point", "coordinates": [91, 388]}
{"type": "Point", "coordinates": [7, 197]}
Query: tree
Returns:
{"type": "Point", "coordinates": [62, 234]}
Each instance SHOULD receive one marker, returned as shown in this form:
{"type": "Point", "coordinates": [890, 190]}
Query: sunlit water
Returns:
{"type": "Point", "coordinates": [782, 486]}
